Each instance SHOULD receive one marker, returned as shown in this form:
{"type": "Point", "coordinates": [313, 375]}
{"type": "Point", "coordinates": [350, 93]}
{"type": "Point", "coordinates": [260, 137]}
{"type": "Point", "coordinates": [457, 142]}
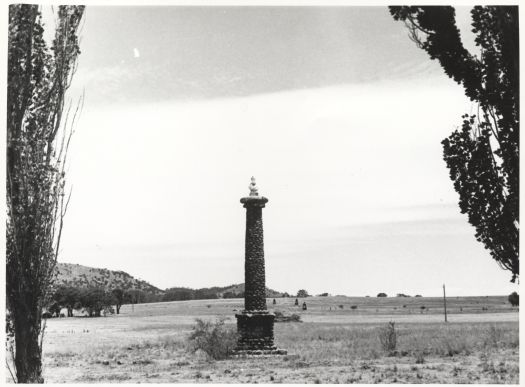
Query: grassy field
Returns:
{"type": "Point", "coordinates": [337, 342]}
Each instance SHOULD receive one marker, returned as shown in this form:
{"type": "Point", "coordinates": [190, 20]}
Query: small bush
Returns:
{"type": "Point", "coordinates": [353, 307]}
{"type": "Point", "coordinates": [281, 317]}
{"type": "Point", "coordinates": [454, 345]}
{"type": "Point", "coordinates": [388, 337]}
{"type": "Point", "coordinates": [493, 337]}
{"type": "Point", "coordinates": [213, 338]}
{"type": "Point", "coordinates": [420, 357]}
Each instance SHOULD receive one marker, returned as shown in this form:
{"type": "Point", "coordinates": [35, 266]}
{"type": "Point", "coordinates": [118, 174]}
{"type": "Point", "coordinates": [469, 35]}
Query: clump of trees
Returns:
{"type": "Point", "coordinates": [178, 294]}
{"type": "Point", "coordinates": [65, 297]}
{"type": "Point", "coordinates": [302, 294]}
{"type": "Point", "coordinates": [184, 294]}
{"type": "Point", "coordinates": [483, 154]}
{"type": "Point", "coordinates": [382, 295]}
{"type": "Point", "coordinates": [233, 295]}
{"type": "Point", "coordinates": [93, 300]}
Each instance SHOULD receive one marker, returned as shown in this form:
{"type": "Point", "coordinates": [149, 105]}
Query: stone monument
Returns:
{"type": "Point", "coordinates": [255, 323]}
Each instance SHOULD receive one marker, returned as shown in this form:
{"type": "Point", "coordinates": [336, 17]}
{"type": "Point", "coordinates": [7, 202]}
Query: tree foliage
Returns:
{"type": "Point", "coordinates": [66, 297]}
{"type": "Point", "coordinates": [119, 297]}
{"type": "Point", "coordinates": [514, 299]}
{"type": "Point", "coordinates": [483, 154]}
{"type": "Point", "coordinates": [302, 294]}
{"type": "Point", "coordinates": [38, 77]}
{"type": "Point", "coordinates": [94, 300]}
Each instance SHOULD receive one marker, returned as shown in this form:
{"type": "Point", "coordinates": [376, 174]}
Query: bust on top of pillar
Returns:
{"type": "Point", "coordinates": [254, 200]}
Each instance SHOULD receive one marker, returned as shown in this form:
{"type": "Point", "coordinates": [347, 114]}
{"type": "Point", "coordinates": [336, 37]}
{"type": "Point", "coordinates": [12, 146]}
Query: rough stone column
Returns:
{"type": "Point", "coordinates": [255, 323]}
{"type": "Point", "coordinates": [255, 283]}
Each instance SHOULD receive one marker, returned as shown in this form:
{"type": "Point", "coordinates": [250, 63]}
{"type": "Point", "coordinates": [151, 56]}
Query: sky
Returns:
{"type": "Point", "coordinates": [334, 110]}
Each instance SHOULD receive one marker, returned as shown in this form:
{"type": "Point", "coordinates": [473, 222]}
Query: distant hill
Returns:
{"type": "Point", "coordinates": [83, 276]}
{"type": "Point", "coordinates": [76, 275]}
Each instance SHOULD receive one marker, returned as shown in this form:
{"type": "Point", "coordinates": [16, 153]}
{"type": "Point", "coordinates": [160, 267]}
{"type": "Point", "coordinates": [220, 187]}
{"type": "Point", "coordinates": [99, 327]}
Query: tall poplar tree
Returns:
{"type": "Point", "coordinates": [482, 155]}
{"type": "Point", "coordinates": [38, 77]}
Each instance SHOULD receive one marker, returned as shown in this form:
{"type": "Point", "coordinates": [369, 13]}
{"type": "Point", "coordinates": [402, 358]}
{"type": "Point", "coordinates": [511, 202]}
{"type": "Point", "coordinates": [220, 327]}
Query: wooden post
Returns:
{"type": "Point", "coordinates": [445, 302]}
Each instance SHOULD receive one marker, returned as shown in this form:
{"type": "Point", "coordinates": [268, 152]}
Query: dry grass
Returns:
{"type": "Point", "coordinates": [150, 346]}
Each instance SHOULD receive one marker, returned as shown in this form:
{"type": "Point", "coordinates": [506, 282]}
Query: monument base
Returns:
{"type": "Point", "coordinates": [258, 353]}
{"type": "Point", "coordinates": [255, 330]}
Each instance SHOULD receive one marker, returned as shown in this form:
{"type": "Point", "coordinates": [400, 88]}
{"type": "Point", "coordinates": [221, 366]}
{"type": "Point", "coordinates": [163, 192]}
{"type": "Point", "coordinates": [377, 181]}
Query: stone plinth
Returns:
{"type": "Point", "coordinates": [256, 333]}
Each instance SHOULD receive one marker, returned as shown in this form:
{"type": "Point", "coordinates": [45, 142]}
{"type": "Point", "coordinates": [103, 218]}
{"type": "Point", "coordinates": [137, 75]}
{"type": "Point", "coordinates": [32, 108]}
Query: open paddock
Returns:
{"type": "Point", "coordinates": [333, 344]}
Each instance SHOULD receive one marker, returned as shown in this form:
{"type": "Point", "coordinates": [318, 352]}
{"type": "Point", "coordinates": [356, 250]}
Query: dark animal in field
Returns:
{"type": "Point", "coordinates": [304, 305]}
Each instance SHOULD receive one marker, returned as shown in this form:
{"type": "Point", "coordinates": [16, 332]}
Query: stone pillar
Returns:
{"type": "Point", "coordinates": [254, 274]}
{"type": "Point", "coordinates": [255, 323]}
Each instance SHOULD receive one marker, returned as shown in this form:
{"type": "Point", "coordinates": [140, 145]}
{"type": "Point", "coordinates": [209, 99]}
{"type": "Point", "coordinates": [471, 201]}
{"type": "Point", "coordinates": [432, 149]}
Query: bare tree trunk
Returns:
{"type": "Point", "coordinates": [28, 354]}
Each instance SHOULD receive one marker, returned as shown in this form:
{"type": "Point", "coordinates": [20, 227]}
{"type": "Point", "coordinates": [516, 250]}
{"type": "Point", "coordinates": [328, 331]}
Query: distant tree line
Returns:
{"type": "Point", "coordinates": [94, 300]}
{"type": "Point", "coordinates": [184, 294]}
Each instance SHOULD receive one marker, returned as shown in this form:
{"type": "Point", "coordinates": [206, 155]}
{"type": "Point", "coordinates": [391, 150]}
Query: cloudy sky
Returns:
{"type": "Point", "coordinates": [335, 112]}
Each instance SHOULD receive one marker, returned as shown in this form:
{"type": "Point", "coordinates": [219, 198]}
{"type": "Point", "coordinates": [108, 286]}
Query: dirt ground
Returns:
{"type": "Point", "coordinates": [148, 344]}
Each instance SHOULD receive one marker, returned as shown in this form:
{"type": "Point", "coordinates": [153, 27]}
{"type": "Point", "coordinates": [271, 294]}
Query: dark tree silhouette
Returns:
{"type": "Point", "coordinates": [67, 297]}
{"type": "Point", "coordinates": [302, 294]}
{"type": "Point", "coordinates": [38, 77]}
{"type": "Point", "coordinates": [96, 299]}
{"type": "Point", "coordinates": [135, 296]}
{"type": "Point", "coordinates": [482, 155]}
{"type": "Point", "coordinates": [514, 299]}
{"type": "Point", "coordinates": [119, 297]}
